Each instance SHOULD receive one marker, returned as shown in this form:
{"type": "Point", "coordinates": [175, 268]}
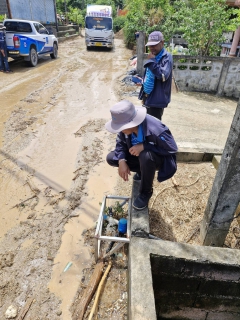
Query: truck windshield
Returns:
{"type": "Point", "coordinates": [99, 23]}
{"type": "Point", "coordinates": [16, 26]}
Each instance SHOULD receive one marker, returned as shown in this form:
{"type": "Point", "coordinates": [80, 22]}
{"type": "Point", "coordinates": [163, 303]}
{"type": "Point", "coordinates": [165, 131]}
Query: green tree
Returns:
{"type": "Point", "coordinates": [2, 17]}
{"type": "Point", "coordinates": [118, 23]}
{"type": "Point", "coordinates": [60, 4]}
{"type": "Point", "coordinates": [80, 4]}
{"type": "Point", "coordinates": [146, 16]}
{"type": "Point", "coordinates": [203, 23]}
{"type": "Point", "coordinates": [75, 15]}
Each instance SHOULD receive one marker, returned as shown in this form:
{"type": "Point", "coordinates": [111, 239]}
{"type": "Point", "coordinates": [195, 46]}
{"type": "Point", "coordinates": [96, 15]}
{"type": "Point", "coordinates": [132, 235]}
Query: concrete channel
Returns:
{"type": "Point", "coordinates": [170, 280]}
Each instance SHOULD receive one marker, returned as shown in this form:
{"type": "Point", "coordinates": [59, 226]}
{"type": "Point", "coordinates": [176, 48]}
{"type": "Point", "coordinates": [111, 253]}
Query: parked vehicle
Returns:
{"type": "Point", "coordinates": [99, 26]}
{"type": "Point", "coordinates": [29, 40]}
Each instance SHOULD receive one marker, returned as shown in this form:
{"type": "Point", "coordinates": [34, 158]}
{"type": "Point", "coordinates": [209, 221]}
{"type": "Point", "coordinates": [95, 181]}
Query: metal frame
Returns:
{"type": "Point", "coordinates": [98, 233]}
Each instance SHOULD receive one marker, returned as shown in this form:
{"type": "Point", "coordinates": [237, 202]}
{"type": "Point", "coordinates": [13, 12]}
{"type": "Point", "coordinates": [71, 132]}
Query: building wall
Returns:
{"type": "Point", "coordinates": [3, 7]}
{"type": "Point", "coordinates": [43, 12]}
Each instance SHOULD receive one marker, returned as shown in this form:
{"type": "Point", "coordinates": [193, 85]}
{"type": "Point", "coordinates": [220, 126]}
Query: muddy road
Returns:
{"type": "Point", "coordinates": [53, 172]}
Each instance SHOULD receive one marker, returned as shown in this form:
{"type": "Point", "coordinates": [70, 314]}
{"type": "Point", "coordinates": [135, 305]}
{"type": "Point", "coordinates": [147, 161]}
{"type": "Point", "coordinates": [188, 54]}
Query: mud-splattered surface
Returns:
{"type": "Point", "coordinates": [53, 175]}
{"type": "Point", "coordinates": [52, 153]}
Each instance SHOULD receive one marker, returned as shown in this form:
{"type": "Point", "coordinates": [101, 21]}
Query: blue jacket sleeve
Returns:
{"type": "Point", "coordinates": [121, 149]}
{"type": "Point", "coordinates": [164, 144]}
{"type": "Point", "coordinates": [163, 69]}
{"type": "Point", "coordinates": [2, 41]}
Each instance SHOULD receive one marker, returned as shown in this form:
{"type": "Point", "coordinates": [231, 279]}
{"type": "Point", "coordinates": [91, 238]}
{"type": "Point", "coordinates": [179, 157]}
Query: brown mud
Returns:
{"type": "Point", "coordinates": [53, 174]}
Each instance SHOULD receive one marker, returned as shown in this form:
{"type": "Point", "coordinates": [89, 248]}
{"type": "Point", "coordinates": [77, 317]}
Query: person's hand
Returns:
{"type": "Point", "coordinates": [3, 53]}
{"type": "Point", "coordinates": [136, 150]}
{"type": "Point", "coordinates": [123, 170]}
{"type": "Point", "coordinates": [150, 55]}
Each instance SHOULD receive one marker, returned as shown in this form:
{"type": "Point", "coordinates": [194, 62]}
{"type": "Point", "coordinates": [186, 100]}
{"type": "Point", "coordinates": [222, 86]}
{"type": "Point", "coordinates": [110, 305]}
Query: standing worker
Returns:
{"type": "Point", "coordinates": [144, 144]}
{"type": "Point", "coordinates": [157, 82]}
{"type": "Point", "coordinates": [4, 66]}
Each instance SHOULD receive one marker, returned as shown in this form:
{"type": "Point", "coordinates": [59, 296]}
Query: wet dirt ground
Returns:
{"type": "Point", "coordinates": [53, 176]}
{"type": "Point", "coordinates": [53, 173]}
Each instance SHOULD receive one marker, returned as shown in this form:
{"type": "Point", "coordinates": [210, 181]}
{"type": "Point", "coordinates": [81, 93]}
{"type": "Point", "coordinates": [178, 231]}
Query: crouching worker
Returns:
{"type": "Point", "coordinates": [144, 144]}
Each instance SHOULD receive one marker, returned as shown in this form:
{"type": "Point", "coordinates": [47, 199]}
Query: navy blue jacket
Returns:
{"type": "Point", "coordinates": [158, 139]}
{"type": "Point", "coordinates": [2, 40]}
{"type": "Point", "coordinates": [161, 94]}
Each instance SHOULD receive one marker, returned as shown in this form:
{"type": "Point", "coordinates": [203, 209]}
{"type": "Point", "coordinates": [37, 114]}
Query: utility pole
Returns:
{"type": "Point", "coordinates": [66, 17]}
{"type": "Point", "coordinates": [140, 37]}
{"type": "Point", "coordinates": [225, 194]}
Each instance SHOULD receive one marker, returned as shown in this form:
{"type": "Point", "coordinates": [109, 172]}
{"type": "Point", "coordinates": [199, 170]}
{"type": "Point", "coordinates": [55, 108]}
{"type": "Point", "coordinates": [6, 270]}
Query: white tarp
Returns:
{"type": "Point", "coordinates": [99, 10]}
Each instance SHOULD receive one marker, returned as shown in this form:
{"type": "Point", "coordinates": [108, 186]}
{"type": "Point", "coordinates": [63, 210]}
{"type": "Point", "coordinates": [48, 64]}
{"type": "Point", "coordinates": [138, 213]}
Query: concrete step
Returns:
{"type": "Point", "coordinates": [62, 39]}
{"type": "Point", "coordinates": [66, 27]}
{"type": "Point", "coordinates": [63, 27]}
{"type": "Point", "coordinates": [66, 32]}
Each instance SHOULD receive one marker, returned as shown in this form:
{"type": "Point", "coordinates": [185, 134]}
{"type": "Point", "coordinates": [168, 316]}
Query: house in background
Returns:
{"type": "Point", "coordinates": [232, 49]}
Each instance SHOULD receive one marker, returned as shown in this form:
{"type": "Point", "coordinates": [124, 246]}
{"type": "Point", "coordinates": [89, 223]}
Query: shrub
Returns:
{"type": "Point", "coordinates": [118, 23]}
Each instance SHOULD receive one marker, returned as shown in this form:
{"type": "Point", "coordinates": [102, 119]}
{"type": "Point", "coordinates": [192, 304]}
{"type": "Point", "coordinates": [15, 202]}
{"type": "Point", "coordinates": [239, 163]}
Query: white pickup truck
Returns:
{"type": "Point", "coordinates": [29, 39]}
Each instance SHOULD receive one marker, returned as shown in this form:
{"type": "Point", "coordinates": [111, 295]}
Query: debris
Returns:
{"type": "Point", "coordinates": [11, 312]}
{"type": "Point", "coordinates": [197, 229]}
{"type": "Point", "coordinates": [174, 83]}
{"type": "Point", "coordinates": [25, 309]}
{"type": "Point", "coordinates": [91, 288]}
{"type": "Point", "coordinates": [189, 185]}
{"type": "Point", "coordinates": [76, 176]}
{"type": "Point", "coordinates": [22, 203]}
{"type": "Point", "coordinates": [99, 290]}
{"type": "Point", "coordinates": [34, 189]}
{"type": "Point", "coordinates": [73, 215]}
{"type": "Point", "coordinates": [67, 266]}
{"type": "Point", "coordinates": [117, 247]}
{"type": "Point", "coordinates": [175, 183]}
{"type": "Point", "coordinates": [151, 236]}
{"type": "Point", "coordinates": [132, 72]}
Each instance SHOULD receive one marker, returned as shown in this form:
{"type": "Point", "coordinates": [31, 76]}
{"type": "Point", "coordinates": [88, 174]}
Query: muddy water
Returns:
{"type": "Point", "coordinates": [41, 110]}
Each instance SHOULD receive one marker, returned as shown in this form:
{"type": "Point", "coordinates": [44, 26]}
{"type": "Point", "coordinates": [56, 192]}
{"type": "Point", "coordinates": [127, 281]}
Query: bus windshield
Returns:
{"type": "Point", "coordinates": [98, 23]}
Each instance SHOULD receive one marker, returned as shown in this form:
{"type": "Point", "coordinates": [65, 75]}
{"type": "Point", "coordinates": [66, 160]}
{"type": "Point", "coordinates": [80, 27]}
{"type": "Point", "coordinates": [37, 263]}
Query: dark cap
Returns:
{"type": "Point", "coordinates": [154, 38]}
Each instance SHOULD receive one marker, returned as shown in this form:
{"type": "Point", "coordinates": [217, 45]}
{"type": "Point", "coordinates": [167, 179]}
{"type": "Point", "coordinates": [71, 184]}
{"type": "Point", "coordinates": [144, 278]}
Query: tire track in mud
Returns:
{"type": "Point", "coordinates": [89, 156]}
{"type": "Point", "coordinates": [28, 250]}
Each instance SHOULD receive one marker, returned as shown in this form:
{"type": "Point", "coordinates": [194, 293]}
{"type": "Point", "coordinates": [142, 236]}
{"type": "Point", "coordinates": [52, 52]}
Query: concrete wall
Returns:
{"type": "Point", "coordinates": [170, 280]}
{"type": "Point", "coordinates": [188, 289]}
{"type": "Point", "coordinates": [3, 7]}
{"type": "Point", "coordinates": [220, 75]}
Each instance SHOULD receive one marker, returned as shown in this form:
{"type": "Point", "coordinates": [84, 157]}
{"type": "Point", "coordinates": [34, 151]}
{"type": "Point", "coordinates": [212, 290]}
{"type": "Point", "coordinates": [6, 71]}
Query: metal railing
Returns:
{"type": "Point", "coordinates": [99, 229]}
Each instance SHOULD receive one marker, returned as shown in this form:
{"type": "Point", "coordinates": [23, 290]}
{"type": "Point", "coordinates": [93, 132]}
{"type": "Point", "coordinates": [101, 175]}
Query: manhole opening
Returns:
{"type": "Point", "coordinates": [186, 289]}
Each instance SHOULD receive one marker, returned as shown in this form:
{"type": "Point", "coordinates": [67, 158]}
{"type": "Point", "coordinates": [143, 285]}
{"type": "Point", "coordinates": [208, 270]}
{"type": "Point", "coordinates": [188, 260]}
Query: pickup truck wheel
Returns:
{"type": "Point", "coordinates": [33, 57]}
{"type": "Point", "coordinates": [55, 52]}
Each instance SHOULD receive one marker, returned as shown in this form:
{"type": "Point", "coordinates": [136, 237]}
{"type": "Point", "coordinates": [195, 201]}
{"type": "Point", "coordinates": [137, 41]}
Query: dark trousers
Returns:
{"type": "Point", "coordinates": [4, 61]}
{"type": "Point", "coordinates": [155, 112]}
{"type": "Point", "coordinates": [152, 111]}
{"type": "Point", "coordinates": [146, 164]}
